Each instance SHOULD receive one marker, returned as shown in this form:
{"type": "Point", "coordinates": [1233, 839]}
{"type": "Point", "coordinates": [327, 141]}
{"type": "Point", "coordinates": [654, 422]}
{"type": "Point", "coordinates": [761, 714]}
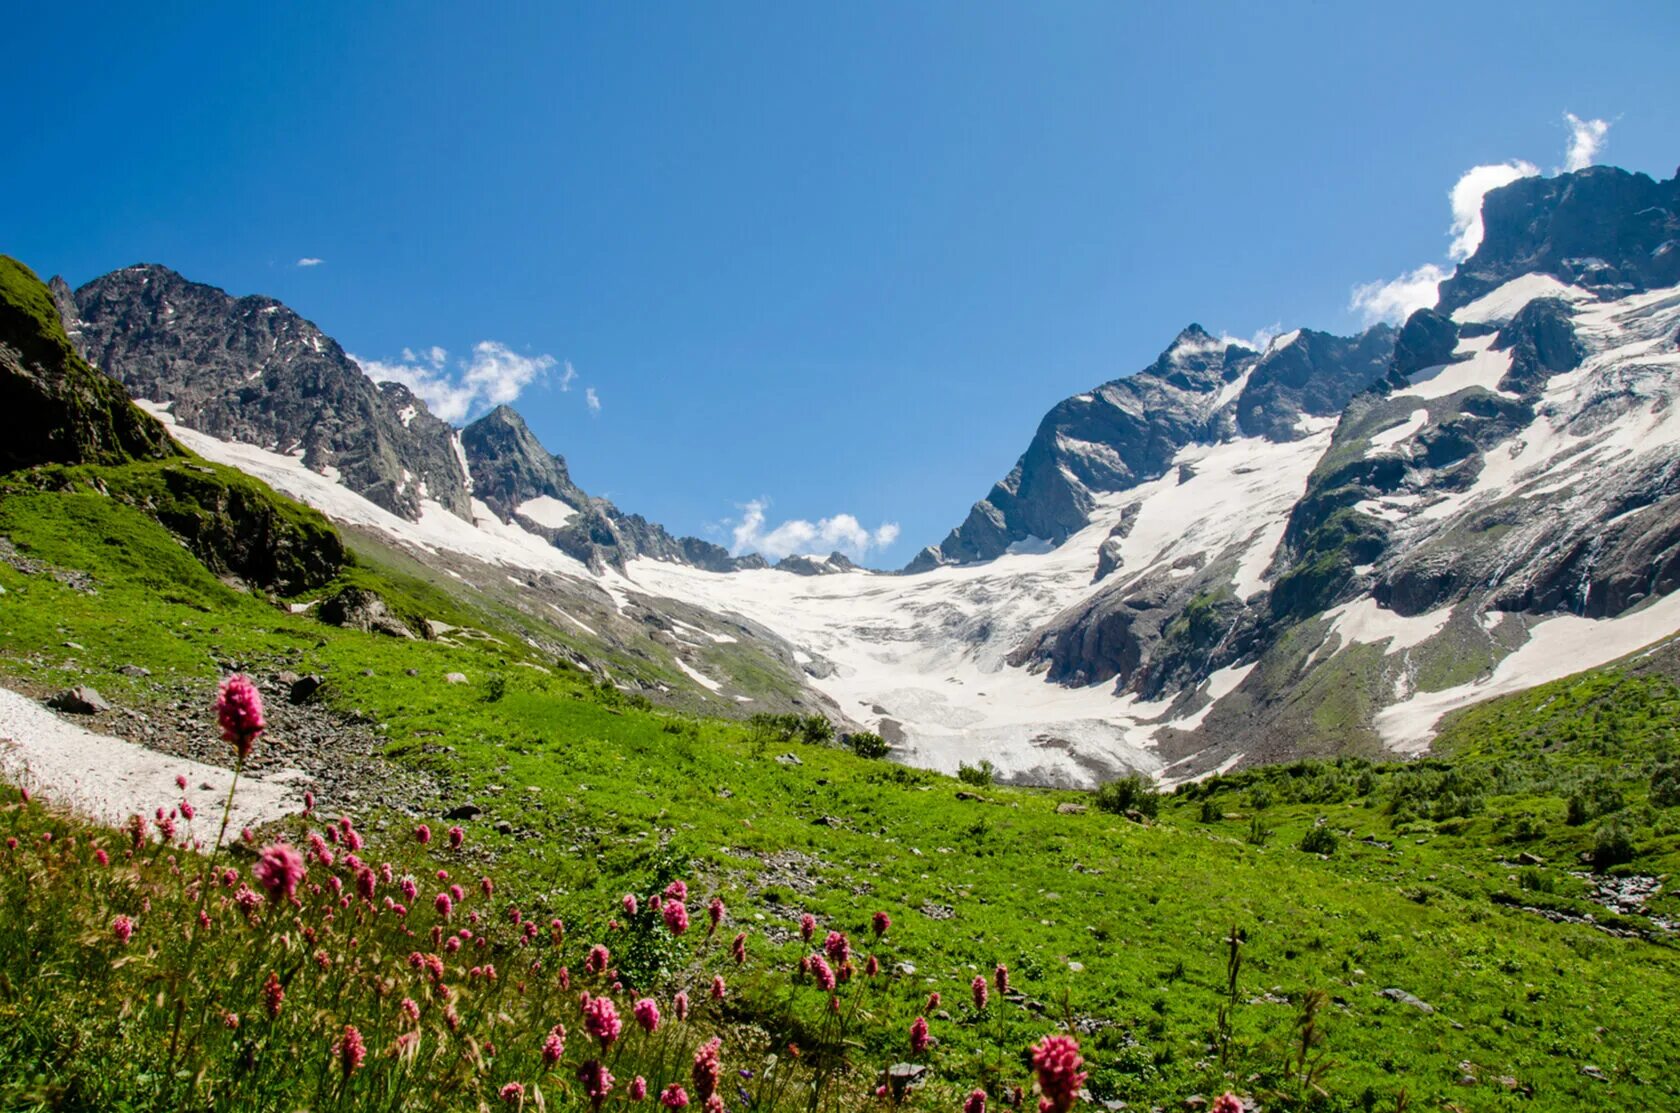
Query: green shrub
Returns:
{"type": "Point", "coordinates": [1211, 812]}
{"type": "Point", "coordinates": [1665, 786]}
{"type": "Point", "coordinates": [1258, 833]}
{"type": "Point", "coordinates": [1319, 840]}
{"type": "Point", "coordinates": [1598, 797]}
{"type": "Point", "coordinates": [1129, 794]}
{"type": "Point", "coordinates": [980, 775]}
{"type": "Point", "coordinates": [866, 743]}
{"type": "Point", "coordinates": [1612, 844]}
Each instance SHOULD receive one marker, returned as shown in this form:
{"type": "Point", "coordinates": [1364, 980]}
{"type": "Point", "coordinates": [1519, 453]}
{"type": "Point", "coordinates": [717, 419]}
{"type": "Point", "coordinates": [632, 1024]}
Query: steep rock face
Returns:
{"type": "Point", "coordinates": [518, 478]}
{"type": "Point", "coordinates": [1601, 229]}
{"type": "Point", "coordinates": [1311, 374]}
{"type": "Point", "coordinates": [251, 370]}
{"type": "Point", "coordinates": [58, 409]}
{"type": "Point", "coordinates": [1127, 432]}
{"type": "Point", "coordinates": [509, 466]}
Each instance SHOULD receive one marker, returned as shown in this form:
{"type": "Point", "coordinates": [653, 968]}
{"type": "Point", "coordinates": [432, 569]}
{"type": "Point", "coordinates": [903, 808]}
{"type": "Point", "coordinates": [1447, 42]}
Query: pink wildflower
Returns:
{"type": "Point", "coordinates": [714, 1104]}
{"type": "Point", "coordinates": [880, 922]}
{"type": "Point", "coordinates": [1057, 1061]}
{"type": "Point", "coordinates": [367, 884]}
{"type": "Point", "coordinates": [410, 1009]}
{"type": "Point", "coordinates": [352, 1052]}
{"type": "Point", "coordinates": [714, 913]}
{"type": "Point", "coordinates": [1001, 976]}
{"type": "Point", "coordinates": [239, 709]}
{"type": "Point", "coordinates": [444, 905]}
{"type": "Point", "coordinates": [630, 905]}
{"type": "Point", "coordinates": [839, 948]}
{"type": "Point", "coordinates": [933, 1001]}
{"type": "Point", "coordinates": [597, 960]}
{"type": "Point", "coordinates": [676, 890]}
{"type": "Point", "coordinates": [555, 1045]}
{"type": "Point", "coordinates": [278, 869]}
{"type": "Point", "coordinates": [872, 966]}
{"type": "Point", "coordinates": [186, 810]}
{"type": "Point", "coordinates": [674, 1097]}
{"type": "Point", "coordinates": [807, 926]}
{"type": "Point", "coordinates": [919, 1035]}
{"type": "Point", "coordinates": [422, 834]}
{"type": "Point", "coordinates": [1227, 1103]}
{"type": "Point", "coordinates": [457, 836]}
{"type": "Point", "coordinates": [101, 857]}
{"type": "Point", "coordinates": [719, 989]}
{"type": "Point", "coordinates": [123, 928]}
{"type": "Point", "coordinates": [679, 1005]}
{"type": "Point", "coordinates": [308, 802]}
{"type": "Point", "coordinates": [486, 886]}
{"type": "Point", "coordinates": [638, 1088]}
{"type": "Point", "coordinates": [976, 1102]}
{"type": "Point", "coordinates": [181, 781]}
{"type": "Point", "coordinates": [597, 1082]}
{"type": "Point", "coordinates": [824, 973]}
{"type": "Point", "coordinates": [707, 1067]}
{"type": "Point", "coordinates": [647, 1014]}
{"type": "Point", "coordinates": [979, 989]}
{"type": "Point", "coordinates": [600, 1018]}
{"type": "Point", "coordinates": [512, 1094]}
{"type": "Point", "coordinates": [676, 916]}
{"type": "Point", "coordinates": [739, 948]}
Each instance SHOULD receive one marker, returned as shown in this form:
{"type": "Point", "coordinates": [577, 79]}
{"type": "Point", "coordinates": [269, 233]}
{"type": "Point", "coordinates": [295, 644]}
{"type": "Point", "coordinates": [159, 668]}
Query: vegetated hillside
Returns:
{"type": "Point", "coordinates": [1386, 887]}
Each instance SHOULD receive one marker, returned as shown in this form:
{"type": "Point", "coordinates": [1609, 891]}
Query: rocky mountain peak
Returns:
{"type": "Point", "coordinates": [251, 370]}
{"type": "Point", "coordinates": [1602, 229]}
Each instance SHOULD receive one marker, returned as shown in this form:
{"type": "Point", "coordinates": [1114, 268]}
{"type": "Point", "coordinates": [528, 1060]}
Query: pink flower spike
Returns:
{"type": "Point", "coordinates": [352, 1052]}
{"type": "Point", "coordinates": [707, 1067]}
{"type": "Point", "coordinates": [676, 915]}
{"type": "Point", "coordinates": [1001, 976]}
{"type": "Point", "coordinates": [1057, 1062]}
{"type": "Point", "coordinates": [647, 1014]}
{"type": "Point", "coordinates": [512, 1094]}
{"type": "Point", "coordinates": [638, 1088]}
{"type": "Point", "coordinates": [600, 1019]}
{"type": "Point", "coordinates": [279, 869]}
{"type": "Point", "coordinates": [422, 834]}
{"type": "Point", "coordinates": [674, 1097]}
{"type": "Point", "coordinates": [679, 1005]}
{"type": "Point", "coordinates": [1227, 1103]}
{"type": "Point", "coordinates": [714, 912]}
{"type": "Point", "coordinates": [629, 904]}
{"type": "Point", "coordinates": [881, 922]}
{"type": "Point", "coordinates": [919, 1035]}
{"type": "Point", "coordinates": [597, 1082]}
{"type": "Point", "coordinates": [979, 988]}
{"type": "Point", "coordinates": [181, 781]}
{"type": "Point", "coordinates": [123, 928]}
{"type": "Point", "coordinates": [976, 1102]}
{"type": "Point", "coordinates": [718, 987]}
{"type": "Point", "coordinates": [457, 836]}
{"type": "Point", "coordinates": [239, 709]}
{"type": "Point", "coordinates": [554, 1046]}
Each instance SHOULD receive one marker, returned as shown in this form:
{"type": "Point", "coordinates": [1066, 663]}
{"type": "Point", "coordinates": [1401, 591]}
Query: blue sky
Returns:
{"type": "Point", "coordinates": [832, 260]}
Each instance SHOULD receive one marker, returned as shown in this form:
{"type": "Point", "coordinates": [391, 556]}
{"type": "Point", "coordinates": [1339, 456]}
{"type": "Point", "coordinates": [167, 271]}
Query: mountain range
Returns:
{"type": "Point", "coordinates": [1226, 557]}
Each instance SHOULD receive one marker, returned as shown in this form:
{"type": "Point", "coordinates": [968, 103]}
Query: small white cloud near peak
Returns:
{"type": "Point", "coordinates": [592, 400]}
{"type": "Point", "coordinates": [1398, 298]}
{"type": "Point", "coordinates": [1586, 140]}
{"type": "Point", "coordinates": [568, 375]}
{"type": "Point", "coordinates": [842, 532]}
{"type": "Point", "coordinates": [310, 261]}
{"type": "Point", "coordinates": [493, 375]}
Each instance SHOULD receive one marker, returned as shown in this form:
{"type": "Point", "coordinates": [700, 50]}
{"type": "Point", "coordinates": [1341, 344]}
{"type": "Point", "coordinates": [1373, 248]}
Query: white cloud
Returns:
{"type": "Point", "coordinates": [494, 374]}
{"type": "Point", "coordinates": [1586, 140]}
{"type": "Point", "coordinates": [842, 532]}
{"type": "Point", "coordinates": [1466, 196]}
{"type": "Point", "coordinates": [592, 400]}
{"type": "Point", "coordinates": [309, 261]}
{"type": "Point", "coordinates": [568, 374]}
{"type": "Point", "coordinates": [1398, 298]}
{"type": "Point", "coordinates": [1259, 342]}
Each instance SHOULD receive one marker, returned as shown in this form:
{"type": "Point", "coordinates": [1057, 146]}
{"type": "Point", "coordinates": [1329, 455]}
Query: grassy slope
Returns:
{"type": "Point", "coordinates": [608, 789]}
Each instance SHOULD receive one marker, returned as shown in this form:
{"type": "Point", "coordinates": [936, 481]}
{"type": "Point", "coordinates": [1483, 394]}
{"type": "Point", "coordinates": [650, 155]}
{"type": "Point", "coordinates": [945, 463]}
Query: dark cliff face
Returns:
{"type": "Point", "coordinates": [509, 466]}
{"type": "Point", "coordinates": [58, 409]}
{"type": "Point", "coordinates": [251, 370]}
{"type": "Point", "coordinates": [1601, 228]}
